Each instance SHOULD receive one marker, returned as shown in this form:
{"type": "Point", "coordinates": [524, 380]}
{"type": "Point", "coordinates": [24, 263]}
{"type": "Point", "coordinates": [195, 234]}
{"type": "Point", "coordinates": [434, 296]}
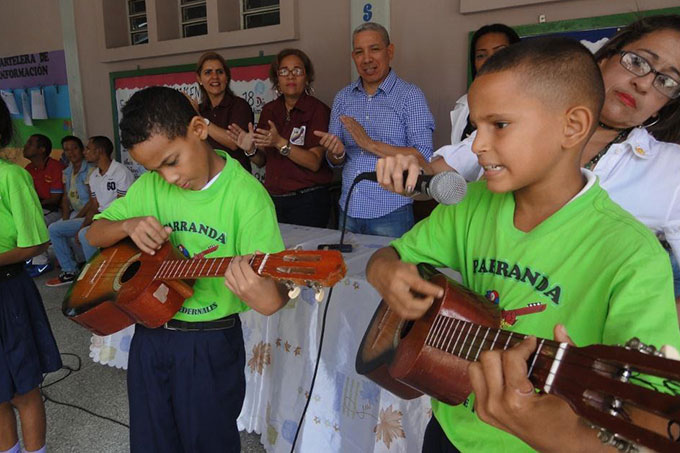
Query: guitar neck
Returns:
{"type": "Point", "coordinates": [202, 267]}
{"type": "Point", "coordinates": [300, 267]}
{"type": "Point", "coordinates": [467, 341]}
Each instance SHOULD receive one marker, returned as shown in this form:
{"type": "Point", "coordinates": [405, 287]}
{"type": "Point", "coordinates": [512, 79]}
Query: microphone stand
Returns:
{"type": "Point", "coordinates": [345, 248]}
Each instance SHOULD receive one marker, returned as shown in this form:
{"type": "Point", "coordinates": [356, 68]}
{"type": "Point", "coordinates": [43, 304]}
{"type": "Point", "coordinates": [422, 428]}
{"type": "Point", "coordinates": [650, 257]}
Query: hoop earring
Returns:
{"type": "Point", "coordinates": [309, 90]}
{"type": "Point", "coordinates": [276, 90]}
{"type": "Point", "coordinates": [645, 126]}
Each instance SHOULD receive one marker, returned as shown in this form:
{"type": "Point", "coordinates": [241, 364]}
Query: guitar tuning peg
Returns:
{"type": "Point", "coordinates": [617, 442]}
{"type": "Point", "coordinates": [637, 345]}
{"type": "Point", "coordinates": [318, 293]}
{"type": "Point", "coordinates": [293, 290]}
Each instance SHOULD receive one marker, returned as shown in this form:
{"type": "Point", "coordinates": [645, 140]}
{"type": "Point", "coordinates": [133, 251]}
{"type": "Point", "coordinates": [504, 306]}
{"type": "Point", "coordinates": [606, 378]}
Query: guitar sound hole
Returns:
{"type": "Point", "coordinates": [406, 329]}
{"type": "Point", "coordinates": [130, 272]}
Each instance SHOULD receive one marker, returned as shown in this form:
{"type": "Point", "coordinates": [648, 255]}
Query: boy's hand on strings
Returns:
{"type": "Point", "coordinates": [390, 173]}
{"type": "Point", "coordinates": [147, 233]}
{"type": "Point", "coordinates": [400, 285]}
{"type": "Point", "coordinates": [506, 398]}
{"type": "Point", "coordinates": [260, 293]}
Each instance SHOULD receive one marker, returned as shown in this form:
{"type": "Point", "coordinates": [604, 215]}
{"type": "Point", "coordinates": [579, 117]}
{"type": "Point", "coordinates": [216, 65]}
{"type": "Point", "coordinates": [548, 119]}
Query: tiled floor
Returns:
{"type": "Point", "coordinates": [97, 388]}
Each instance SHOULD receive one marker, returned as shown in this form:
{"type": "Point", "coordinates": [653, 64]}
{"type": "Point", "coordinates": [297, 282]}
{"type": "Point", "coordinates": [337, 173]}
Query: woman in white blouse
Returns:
{"type": "Point", "coordinates": [634, 151]}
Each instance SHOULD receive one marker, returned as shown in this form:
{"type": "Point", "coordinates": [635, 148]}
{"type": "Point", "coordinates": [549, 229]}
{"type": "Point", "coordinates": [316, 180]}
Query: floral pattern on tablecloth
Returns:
{"type": "Point", "coordinates": [261, 357]}
{"type": "Point", "coordinates": [389, 426]}
{"type": "Point", "coordinates": [112, 350]}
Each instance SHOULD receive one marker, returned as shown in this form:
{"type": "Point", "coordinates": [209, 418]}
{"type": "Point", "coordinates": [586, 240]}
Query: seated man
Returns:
{"type": "Point", "coordinates": [108, 181]}
{"type": "Point", "coordinates": [73, 206]}
{"type": "Point", "coordinates": [47, 179]}
{"type": "Point", "coordinates": [76, 178]}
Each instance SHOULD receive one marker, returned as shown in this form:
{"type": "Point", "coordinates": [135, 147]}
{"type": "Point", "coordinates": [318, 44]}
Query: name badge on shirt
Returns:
{"type": "Point", "coordinates": [297, 137]}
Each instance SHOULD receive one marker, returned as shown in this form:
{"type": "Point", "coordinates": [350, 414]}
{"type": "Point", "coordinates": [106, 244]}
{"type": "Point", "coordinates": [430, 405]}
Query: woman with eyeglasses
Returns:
{"type": "Point", "coordinates": [485, 42]}
{"type": "Point", "coordinates": [634, 150]}
{"type": "Point", "coordinates": [219, 106]}
{"type": "Point", "coordinates": [296, 173]}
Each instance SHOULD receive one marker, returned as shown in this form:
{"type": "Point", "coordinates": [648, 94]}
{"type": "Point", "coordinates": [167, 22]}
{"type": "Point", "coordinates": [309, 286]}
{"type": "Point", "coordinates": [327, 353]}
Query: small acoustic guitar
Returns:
{"type": "Point", "coordinates": [601, 383]}
{"type": "Point", "coordinates": [121, 285]}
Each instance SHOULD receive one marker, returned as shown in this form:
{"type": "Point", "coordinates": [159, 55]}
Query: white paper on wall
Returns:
{"type": "Point", "coordinates": [26, 107]}
{"type": "Point", "coordinates": [10, 102]}
{"type": "Point", "coordinates": [38, 110]}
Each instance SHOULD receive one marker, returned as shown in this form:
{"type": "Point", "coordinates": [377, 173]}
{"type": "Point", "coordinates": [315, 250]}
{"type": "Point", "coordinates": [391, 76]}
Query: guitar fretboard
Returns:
{"type": "Point", "coordinates": [201, 267]}
{"type": "Point", "coordinates": [467, 341]}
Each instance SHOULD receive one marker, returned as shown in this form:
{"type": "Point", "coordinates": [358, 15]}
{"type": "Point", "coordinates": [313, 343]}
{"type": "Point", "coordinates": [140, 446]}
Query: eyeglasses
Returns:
{"type": "Point", "coordinates": [296, 71]}
{"type": "Point", "coordinates": [637, 65]}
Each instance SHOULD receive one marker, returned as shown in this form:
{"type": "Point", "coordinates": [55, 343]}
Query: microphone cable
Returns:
{"type": "Point", "coordinates": [323, 320]}
{"type": "Point", "coordinates": [70, 370]}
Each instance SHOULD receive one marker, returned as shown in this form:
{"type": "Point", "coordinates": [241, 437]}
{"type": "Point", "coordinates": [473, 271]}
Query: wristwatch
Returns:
{"type": "Point", "coordinates": [285, 150]}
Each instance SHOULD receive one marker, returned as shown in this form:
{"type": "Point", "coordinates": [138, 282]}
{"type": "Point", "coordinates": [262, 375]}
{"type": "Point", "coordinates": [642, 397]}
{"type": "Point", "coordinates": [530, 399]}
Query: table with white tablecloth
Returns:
{"type": "Point", "coordinates": [347, 412]}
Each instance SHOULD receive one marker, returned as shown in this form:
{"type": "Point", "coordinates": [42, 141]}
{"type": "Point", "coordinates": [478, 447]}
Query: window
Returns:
{"type": "Point", "coordinates": [193, 17]}
{"type": "Point", "coordinates": [137, 22]}
{"type": "Point", "coordinates": [260, 13]}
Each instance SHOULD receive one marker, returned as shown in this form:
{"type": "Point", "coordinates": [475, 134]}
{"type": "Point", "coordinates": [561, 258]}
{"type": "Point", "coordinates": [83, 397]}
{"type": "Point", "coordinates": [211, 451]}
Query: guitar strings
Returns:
{"type": "Point", "coordinates": [602, 403]}
{"type": "Point", "coordinates": [113, 268]}
{"type": "Point", "coordinates": [470, 342]}
{"type": "Point", "coordinates": [597, 400]}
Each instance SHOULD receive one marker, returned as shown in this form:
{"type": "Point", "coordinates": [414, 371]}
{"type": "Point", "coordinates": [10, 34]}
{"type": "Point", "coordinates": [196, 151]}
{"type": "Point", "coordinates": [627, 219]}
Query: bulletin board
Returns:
{"type": "Point", "coordinates": [249, 80]}
{"type": "Point", "coordinates": [592, 32]}
{"type": "Point", "coordinates": [34, 87]}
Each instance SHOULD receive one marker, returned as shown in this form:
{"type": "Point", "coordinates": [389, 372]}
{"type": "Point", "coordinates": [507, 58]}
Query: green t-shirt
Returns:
{"type": "Point", "coordinates": [234, 214]}
{"type": "Point", "coordinates": [590, 266]}
{"type": "Point", "coordinates": [21, 217]}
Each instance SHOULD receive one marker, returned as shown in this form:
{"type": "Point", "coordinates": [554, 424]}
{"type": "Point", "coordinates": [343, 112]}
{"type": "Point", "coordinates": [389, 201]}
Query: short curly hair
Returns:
{"type": "Point", "coordinates": [155, 110]}
{"type": "Point", "coordinates": [553, 68]}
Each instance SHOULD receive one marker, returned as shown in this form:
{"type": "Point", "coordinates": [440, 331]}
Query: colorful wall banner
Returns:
{"type": "Point", "coordinates": [35, 86]}
{"type": "Point", "coordinates": [249, 80]}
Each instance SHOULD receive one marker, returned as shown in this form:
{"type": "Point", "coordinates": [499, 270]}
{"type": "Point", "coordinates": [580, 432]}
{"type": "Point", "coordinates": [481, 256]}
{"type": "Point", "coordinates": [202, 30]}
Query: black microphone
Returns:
{"type": "Point", "coordinates": [446, 188]}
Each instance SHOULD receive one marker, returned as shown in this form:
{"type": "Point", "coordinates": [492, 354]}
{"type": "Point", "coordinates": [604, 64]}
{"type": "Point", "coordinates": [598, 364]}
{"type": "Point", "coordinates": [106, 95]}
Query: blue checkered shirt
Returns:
{"type": "Point", "coordinates": [397, 114]}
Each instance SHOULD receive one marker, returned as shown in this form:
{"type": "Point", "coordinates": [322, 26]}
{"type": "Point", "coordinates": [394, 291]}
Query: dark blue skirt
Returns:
{"type": "Point", "coordinates": [27, 346]}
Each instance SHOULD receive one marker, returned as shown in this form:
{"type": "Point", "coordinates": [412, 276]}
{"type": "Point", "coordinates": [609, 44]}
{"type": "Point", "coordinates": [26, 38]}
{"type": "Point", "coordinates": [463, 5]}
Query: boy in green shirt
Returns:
{"type": "Point", "coordinates": [541, 239]}
{"type": "Point", "coordinates": [186, 381]}
{"type": "Point", "coordinates": [28, 349]}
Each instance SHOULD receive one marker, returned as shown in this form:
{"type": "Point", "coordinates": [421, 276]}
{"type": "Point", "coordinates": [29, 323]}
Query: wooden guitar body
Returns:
{"type": "Point", "coordinates": [432, 371]}
{"type": "Point", "coordinates": [116, 289]}
{"type": "Point", "coordinates": [393, 352]}
{"type": "Point", "coordinates": [121, 285]}
{"type": "Point", "coordinates": [378, 348]}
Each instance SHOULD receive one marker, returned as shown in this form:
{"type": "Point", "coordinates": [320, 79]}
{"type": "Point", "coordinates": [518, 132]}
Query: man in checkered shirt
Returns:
{"type": "Point", "coordinates": [377, 115]}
